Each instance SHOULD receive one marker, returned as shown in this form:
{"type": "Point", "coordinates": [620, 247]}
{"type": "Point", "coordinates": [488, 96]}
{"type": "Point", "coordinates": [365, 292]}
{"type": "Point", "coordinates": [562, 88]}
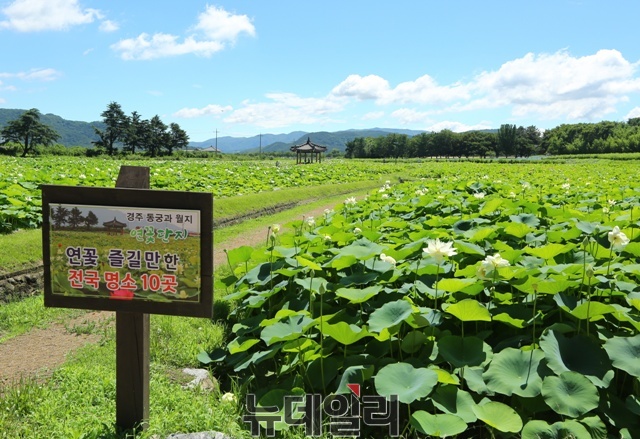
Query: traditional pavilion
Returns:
{"type": "Point", "coordinates": [114, 227]}
{"type": "Point", "coordinates": [309, 147]}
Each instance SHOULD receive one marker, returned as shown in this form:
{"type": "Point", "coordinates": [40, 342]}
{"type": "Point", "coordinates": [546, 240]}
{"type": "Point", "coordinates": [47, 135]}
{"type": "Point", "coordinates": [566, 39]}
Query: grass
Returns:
{"type": "Point", "coordinates": [20, 248]}
{"type": "Point", "coordinates": [79, 402]}
{"type": "Point", "coordinates": [21, 316]}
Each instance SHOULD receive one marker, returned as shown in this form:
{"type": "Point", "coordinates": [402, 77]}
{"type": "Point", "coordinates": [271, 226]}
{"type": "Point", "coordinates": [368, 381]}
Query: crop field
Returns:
{"type": "Point", "coordinates": [476, 299]}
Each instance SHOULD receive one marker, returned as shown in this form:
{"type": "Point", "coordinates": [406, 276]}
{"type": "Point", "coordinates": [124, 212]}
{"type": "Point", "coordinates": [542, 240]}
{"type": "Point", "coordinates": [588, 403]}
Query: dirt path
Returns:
{"type": "Point", "coordinates": [52, 345]}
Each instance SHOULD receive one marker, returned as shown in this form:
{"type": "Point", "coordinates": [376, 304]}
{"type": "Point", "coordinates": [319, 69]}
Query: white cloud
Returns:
{"type": "Point", "coordinates": [214, 30]}
{"type": "Point", "coordinates": [362, 87]}
{"type": "Point", "coordinates": [33, 75]}
{"type": "Point", "coordinates": [219, 25]}
{"type": "Point", "coordinates": [548, 86]}
{"type": "Point", "coordinates": [43, 15]}
{"type": "Point", "coordinates": [559, 85]}
{"type": "Point", "coordinates": [109, 26]}
{"type": "Point", "coordinates": [635, 112]}
{"type": "Point", "coordinates": [190, 113]}
{"type": "Point", "coordinates": [286, 109]}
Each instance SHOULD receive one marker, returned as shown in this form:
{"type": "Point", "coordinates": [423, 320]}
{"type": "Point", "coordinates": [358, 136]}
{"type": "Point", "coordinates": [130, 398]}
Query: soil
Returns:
{"type": "Point", "coordinates": [51, 345]}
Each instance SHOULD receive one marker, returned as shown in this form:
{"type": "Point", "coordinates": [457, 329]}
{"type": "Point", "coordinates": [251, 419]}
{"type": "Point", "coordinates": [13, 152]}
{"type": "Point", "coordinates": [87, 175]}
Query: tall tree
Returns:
{"type": "Point", "coordinates": [135, 133]}
{"type": "Point", "coordinates": [116, 127]}
{"type": "Point", "coordinates": [178, 138]}
{"type": "Point", "coordinates": [59, 216]}
{"type": "Point", "coordinates": [157, 136]}
{"type": "Point", "coordinates": [90, 220]}
{"type": "Point", "coordinates": [507, 135]}
{"type": "Point", "coordinates": [75, 218]}
{"type": "Point", "coordinates": [28, 131]}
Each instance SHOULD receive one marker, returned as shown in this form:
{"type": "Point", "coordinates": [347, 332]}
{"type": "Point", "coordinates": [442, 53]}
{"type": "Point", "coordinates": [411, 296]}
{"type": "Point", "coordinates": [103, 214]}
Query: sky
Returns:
{"type": "Point", "coordinates": [245, 67]}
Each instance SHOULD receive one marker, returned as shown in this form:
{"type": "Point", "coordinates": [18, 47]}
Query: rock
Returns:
{"type": "Point", "coordinates": [202, 379]}
{"type": "Point", "coordinates": [201, 435]}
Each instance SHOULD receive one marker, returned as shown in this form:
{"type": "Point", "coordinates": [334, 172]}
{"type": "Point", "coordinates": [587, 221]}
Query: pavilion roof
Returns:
{"type": "Point", "coordinates": [114, 223]}
{"type": "Point", "coordinates": [308, 146]}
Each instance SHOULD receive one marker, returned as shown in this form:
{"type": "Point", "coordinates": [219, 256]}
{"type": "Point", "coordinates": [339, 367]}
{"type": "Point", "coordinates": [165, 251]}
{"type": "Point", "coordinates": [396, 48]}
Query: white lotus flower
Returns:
{"type": "Point", "coordinates": [618, 239]}
{"type": "Point", "coordinates": [491, 264]}
{"type": "Point", "coordinates": [385, 196]}
{"type": "Point", "coordinates": [612, 202]}
{"type": "Point", "coordinates": [438, 250]}
{"type": "Point", "coordinates": [357, 230]}
{"type": "Point", "coordinates": [386, 258]}
{"type": "Point", "coordinates": [566, 186]}
{"type": "Point", "coordinates": [512, 194]}
{"type": "Point", "coordinates": [479, 195]}
{"type": "Point", "coordinates": [310, 221]}
{"type": "Point", "coordinates": [605, 209]}
{"type": "Point", "coordinates": [327, 237]}
{"type": "Point", "coordinates": [351, 201]}
{"type": "Point", "coordinates": [275, 228]}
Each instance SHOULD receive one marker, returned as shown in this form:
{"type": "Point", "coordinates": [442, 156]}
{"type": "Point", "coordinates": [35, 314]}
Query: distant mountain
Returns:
{"type": "Point", "coordinates": [72, 133]}
{"type": "Point", "coordinates": [241, 144]}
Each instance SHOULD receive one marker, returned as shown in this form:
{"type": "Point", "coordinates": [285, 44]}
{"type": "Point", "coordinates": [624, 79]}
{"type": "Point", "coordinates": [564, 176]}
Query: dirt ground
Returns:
{"type": "Point", "coordinates": [52, 345]}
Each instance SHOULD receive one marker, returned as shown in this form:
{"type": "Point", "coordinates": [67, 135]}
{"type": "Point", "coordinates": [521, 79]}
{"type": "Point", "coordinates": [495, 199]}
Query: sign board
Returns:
{"type": "Point", "coordinates": [134, 250]}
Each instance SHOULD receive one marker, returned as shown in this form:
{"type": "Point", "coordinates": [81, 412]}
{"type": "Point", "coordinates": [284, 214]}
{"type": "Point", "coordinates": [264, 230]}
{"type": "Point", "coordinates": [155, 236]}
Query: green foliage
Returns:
{"type": "Point", "coordinates": [516, 332]}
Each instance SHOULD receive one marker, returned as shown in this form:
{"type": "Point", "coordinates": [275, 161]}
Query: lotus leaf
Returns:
{"type": "Point", "coordinates": [469, 310]}
{"type": "Point", "coordinates": [579, 354]}
{"type": "Point", "coordinates": [560, 430]}
{"type": "Point", "coordinates": [405, 381]}
{"type": "Point", "coordinates": [389, 315]}
{"type": "Point", "coordinates": [463, 351]}
{"type": "Point", "coordinates": [514, 371]}
{"type": "Point", "coordinates": [570, 394]}
{"type": "Point", "coordinates": [450, 399]}
{"type": "Point", "coordinates": [499, 416]}
{"type": "Point", "coordinates": [439, 425]}
{"type": "Point", "coordinates": [624, 353]}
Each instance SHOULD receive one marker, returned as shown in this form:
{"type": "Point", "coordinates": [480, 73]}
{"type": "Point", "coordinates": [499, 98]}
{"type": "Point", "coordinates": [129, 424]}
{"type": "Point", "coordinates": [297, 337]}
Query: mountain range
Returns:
{"type": "Point", "coordinates": [78, 133]}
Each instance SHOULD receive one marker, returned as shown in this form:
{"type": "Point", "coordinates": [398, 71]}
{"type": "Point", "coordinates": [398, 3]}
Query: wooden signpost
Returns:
{"type": "Point", "coordinates": [133, 251]}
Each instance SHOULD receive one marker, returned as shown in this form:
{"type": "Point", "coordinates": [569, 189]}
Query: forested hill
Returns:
{"type": "Point", "coordinates": [72, 133]}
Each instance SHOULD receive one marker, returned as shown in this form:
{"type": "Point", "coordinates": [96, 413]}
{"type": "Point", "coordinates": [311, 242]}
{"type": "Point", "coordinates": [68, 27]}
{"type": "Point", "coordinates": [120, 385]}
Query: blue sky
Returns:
{"type": "Point", "coordinates": [247, 67]}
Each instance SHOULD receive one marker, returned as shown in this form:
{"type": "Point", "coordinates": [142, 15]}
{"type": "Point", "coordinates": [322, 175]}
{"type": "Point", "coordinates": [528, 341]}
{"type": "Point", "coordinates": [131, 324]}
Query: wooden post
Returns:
{"type": "Point", "coordinates": [132, 341]}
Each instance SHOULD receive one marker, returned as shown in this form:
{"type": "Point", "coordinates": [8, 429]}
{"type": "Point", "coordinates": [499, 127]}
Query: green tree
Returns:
{"type": "Point", "coordinates": [90, 220]}
{"type": "Point", "coordinates": [116, 128]}
{"type": "Point", "coordinates": [157, 136]}
{"type": "Point", "coordinates": [178, 138]}
{"type": "Point", "coordinates": [75, 218]}
{"type": "Point", "coordinates": [59, 216]}
{"type": "Point", "coordinates": [135, 133]}
{"type": "Point", "coordinates": [507, 135]}
{"type": "Point", "coordinates": [28, 131]}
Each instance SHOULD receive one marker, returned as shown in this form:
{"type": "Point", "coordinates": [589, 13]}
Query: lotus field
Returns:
{"type": "Point", "coordinates": [20, 179]}
{"type": "Point", "coordinates": [493, 300]}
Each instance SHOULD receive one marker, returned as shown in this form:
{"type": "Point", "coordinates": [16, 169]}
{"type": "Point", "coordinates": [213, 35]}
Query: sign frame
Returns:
{"type": "Point", "coordinates": [132, 198]}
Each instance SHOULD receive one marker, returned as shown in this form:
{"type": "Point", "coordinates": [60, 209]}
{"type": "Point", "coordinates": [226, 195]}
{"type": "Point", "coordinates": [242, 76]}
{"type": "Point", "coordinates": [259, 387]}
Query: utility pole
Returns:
{"type": "Point", "coordinates": [216, 140]}
{"type": "Point", "coordinates": [260, 145]}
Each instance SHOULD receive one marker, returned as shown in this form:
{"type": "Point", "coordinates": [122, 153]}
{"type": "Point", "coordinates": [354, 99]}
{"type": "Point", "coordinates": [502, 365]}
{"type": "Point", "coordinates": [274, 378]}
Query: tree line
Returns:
{"type": "Point", "coordinates": [508, 140]}
{"type": "Point", "coordinates": [74, 218]}
{"type": "Point", "coordinates": [132, 134]}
